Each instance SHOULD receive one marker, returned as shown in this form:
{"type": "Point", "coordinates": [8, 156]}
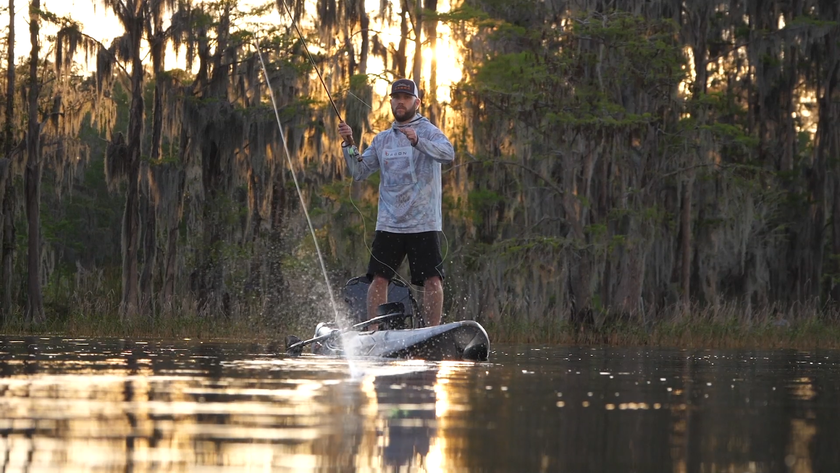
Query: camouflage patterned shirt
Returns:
{"type": "Point", "coordinates": [410, 183]}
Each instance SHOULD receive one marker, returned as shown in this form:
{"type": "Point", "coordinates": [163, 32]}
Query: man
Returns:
{"type": "Point", "coordinates": [408, 156]}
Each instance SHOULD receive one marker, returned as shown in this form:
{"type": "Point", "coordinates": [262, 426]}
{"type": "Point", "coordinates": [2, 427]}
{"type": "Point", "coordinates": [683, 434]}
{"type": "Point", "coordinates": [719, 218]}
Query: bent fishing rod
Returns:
{"type": "Point", "coordinates": [352, 148]}
{"type": "Point", "coordinates": [354, 151]}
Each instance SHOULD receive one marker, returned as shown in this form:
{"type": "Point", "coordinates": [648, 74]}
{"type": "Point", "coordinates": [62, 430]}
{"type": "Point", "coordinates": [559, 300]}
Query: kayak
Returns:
{"type": "Point", "coordinates": [399, 332]}
{"type": "Point", "coordinates": [463, 340]}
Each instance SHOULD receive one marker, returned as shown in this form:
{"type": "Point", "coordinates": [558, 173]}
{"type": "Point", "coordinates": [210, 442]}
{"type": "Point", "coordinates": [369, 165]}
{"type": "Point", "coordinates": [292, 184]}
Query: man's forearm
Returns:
{"type": "Point", "coordinates": [439, 149]}
{"type": "Point", "coordinates": [356, 164]}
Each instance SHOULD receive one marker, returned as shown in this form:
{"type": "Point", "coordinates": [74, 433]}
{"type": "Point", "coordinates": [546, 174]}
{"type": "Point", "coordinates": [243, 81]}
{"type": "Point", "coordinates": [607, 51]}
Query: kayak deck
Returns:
{"type": "Point", "coordinates": [463, 340]}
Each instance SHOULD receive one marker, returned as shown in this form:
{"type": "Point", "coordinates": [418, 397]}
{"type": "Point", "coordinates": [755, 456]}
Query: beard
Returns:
{"type": "Point", "coordinates": [404, 114]}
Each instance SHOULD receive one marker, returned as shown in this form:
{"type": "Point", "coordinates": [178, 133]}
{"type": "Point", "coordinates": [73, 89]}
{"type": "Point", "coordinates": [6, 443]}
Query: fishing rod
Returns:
{"type": "Point", "coordinates": [353, 150]}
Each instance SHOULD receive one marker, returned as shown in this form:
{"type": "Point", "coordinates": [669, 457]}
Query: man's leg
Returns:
{"type": "Point", "coordinates": [432, 300]}
{"type": "Point", "coordinates": [377, 294]}
{"type": "Point", "coordinates": [387, 253]}
{"type": "Point", "coordinates": [426, 262]}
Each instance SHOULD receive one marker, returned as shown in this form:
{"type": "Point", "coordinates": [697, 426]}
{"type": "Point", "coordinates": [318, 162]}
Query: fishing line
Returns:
{"type": "Point", "coordinates": [351, 143]}
{"type": "Point", "coordinates": [360, 100]}
{"type": "Point", "coordinates": [338, 114]}
{"type": "Point", "coordinates": [294, 178]}
{"type": "Point", "coordinates": [369, 249]}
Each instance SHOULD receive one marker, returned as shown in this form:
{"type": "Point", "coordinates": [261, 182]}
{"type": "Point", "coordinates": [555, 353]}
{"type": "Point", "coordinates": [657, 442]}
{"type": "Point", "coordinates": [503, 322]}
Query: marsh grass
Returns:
{"type": "Point", "coordinates": [86, 303]}
{"type": "Point", "coordinates": [801, 326]}
{"type": "Point", "coordinates": [99, 324]}
{"type": "Point", "coordinates": [93, 312]}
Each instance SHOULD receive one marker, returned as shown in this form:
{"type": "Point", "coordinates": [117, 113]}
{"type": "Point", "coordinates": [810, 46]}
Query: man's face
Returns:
{"type": "Point", "coordinates": [404, 106]}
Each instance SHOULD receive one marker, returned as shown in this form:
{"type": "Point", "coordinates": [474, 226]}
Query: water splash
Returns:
{"type": "Point", "coordinates": [297, 185]}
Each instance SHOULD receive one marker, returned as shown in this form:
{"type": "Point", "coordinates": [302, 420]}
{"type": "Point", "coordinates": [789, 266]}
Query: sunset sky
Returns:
{"type": "Point", "coordinates": [101, 24]}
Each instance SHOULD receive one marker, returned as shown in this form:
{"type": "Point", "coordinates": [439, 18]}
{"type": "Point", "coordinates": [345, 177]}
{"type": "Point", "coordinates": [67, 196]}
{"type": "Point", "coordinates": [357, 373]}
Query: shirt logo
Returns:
{"type": "Point", "coordinates": [398, 153]}
{"type": "Point", "coordinates": [398, 167]}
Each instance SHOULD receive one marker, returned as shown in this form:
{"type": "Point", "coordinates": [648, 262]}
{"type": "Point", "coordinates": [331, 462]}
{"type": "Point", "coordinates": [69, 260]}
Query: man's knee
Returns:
{"type": "Point", "coordinates": [433, 283]}
{"type": "Point", "coordinates": [379, 282]}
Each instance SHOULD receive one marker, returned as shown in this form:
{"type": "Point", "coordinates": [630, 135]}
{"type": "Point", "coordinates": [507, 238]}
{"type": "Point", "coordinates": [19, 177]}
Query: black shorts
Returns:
{"type": "Point", "coordinates": [389, 251]}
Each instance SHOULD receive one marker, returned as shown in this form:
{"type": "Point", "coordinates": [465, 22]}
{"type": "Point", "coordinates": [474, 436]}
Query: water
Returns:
{"type": "Point", "coordinates": [112, 405]}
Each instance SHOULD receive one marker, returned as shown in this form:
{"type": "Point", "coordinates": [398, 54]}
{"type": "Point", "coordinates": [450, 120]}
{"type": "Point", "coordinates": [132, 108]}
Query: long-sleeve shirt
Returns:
{"type": "Point", "coordinates": [410, 183]}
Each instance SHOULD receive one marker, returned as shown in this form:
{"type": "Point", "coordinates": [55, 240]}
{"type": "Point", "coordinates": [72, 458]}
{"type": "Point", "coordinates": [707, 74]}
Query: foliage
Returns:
{"type": "Point", "coordinates": [612, 162]}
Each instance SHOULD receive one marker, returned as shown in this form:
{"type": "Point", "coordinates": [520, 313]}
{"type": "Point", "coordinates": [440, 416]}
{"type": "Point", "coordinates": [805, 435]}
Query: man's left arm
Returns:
{"type": "Point", "coordinates": [436, 146]}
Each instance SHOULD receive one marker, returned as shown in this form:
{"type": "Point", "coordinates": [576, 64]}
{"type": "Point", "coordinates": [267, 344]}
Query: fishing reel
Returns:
{"type": "Point", "coordinates": [354, 153]}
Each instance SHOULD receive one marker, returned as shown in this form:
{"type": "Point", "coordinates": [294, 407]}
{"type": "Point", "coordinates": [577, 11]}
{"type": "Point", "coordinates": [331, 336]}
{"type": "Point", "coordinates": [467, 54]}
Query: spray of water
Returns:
{"type": "Point", "coordinates": [356, 372]}
{"type": "Point", "coordinates": [297, 185]}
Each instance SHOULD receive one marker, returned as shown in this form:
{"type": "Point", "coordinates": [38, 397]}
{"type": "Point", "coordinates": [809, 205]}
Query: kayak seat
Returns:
{"type": "Point", "coordinates": [355, 297]}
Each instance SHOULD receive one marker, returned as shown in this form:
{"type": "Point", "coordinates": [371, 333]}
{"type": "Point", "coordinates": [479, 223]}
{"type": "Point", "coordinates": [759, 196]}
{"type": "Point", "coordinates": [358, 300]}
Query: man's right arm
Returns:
{"type": "Point", "coordinates": [361, 166]}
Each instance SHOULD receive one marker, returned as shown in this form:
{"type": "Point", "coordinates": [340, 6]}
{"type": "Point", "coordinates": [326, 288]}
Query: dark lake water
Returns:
{"type": "Point", "coordinates": [129, 406]}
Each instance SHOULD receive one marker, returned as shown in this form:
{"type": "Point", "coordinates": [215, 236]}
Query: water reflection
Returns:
{"type": "Point", "coordinates": [116, 405]}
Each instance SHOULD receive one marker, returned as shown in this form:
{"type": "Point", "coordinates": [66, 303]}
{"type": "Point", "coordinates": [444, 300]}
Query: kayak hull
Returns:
{"type": "Point", "coordinates": [463, 340]}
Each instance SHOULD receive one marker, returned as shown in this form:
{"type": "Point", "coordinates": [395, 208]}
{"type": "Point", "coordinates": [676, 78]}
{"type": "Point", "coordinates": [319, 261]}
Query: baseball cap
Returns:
{"type": "Point", "coordinates": [405, 86]}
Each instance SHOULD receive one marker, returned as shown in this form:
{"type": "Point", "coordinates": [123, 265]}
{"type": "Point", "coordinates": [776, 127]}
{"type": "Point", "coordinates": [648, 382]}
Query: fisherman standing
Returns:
{"type": "Point", "coordinates": [409, 157]}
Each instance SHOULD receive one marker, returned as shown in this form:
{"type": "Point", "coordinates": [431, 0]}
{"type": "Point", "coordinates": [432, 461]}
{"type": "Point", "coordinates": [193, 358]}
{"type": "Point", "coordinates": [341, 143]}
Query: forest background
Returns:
{"type": "Point", "coordinates": [642, 171]}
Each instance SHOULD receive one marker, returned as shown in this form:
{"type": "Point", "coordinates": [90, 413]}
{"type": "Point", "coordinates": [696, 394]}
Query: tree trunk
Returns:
{"type": "Point", "coordinates": [7, 243]}
{"type": "Point", "coordinates": [432, 108]}
{"type": "Point", "coordinates": [277, 287]}
{"type": "Point", "coordinates": [8, 130]}
{"type": "Point", "coordinates": [351, 53]}
{"type": "Point", "coordinates": [148, 229]}
{"type": "Point", "coordinates": [401, 58]}
{"type": "Point", "coordinates": [628, 297]}
{"type": "Point", "coordinates": [7, 222]}
{"type": "Point", "coordinates": [581, 267]}
{"type": "Point", "coordinates": [35, 301]}
{"type": "Point", "coordinates": [829, 141]}
{"type": "Point", "coordinates": [580, 288]}
{"type": "Point", "coordinates": [835, 239]}
{"type": "Point", "coordinates": [685, 241]}
{"type": "Point", "coordinates": [213, 298]}
{"type": "Point", "coordinates": [696, 33]}
{"type": "Point", "coordinates": [131, 217]}
{"type": "Point", "coordinates": [10, 88]}
{"type": "Point", "coordinates": [7, 246]}
{"type": "Point", "coordinates": [418, 43]}
{"type": "Point", "coordinates": [823, 152]}
{"type": "Point", "coordinates": [149, 205]}
{"type": "Point", "coordinates": [364, 23]}
{"type": "Point", "coordinates": [170, 264]}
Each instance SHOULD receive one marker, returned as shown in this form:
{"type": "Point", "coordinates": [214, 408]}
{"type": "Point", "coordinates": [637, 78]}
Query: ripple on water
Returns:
{"type": "Point", "coordinates": [113, 405]}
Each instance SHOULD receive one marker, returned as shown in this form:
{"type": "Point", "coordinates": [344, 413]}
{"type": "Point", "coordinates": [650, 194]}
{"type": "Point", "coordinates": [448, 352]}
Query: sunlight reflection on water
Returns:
{"type": "Point", "coordinates": [116, 405]}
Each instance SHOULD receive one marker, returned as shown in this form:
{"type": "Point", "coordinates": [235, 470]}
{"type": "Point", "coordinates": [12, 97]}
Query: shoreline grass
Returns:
{"type": "Point", "coordinates": [726, 325]}
{"type": "Point", "coordinates": [688, 334]}
{"type": "Point", "coordinates": [722, 325]}
{"type": "Point", "coordinates": [695, 330]}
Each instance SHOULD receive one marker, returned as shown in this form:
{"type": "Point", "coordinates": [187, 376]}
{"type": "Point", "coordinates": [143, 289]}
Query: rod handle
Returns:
{"type": "Point", "coordinates": [351, 143]}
